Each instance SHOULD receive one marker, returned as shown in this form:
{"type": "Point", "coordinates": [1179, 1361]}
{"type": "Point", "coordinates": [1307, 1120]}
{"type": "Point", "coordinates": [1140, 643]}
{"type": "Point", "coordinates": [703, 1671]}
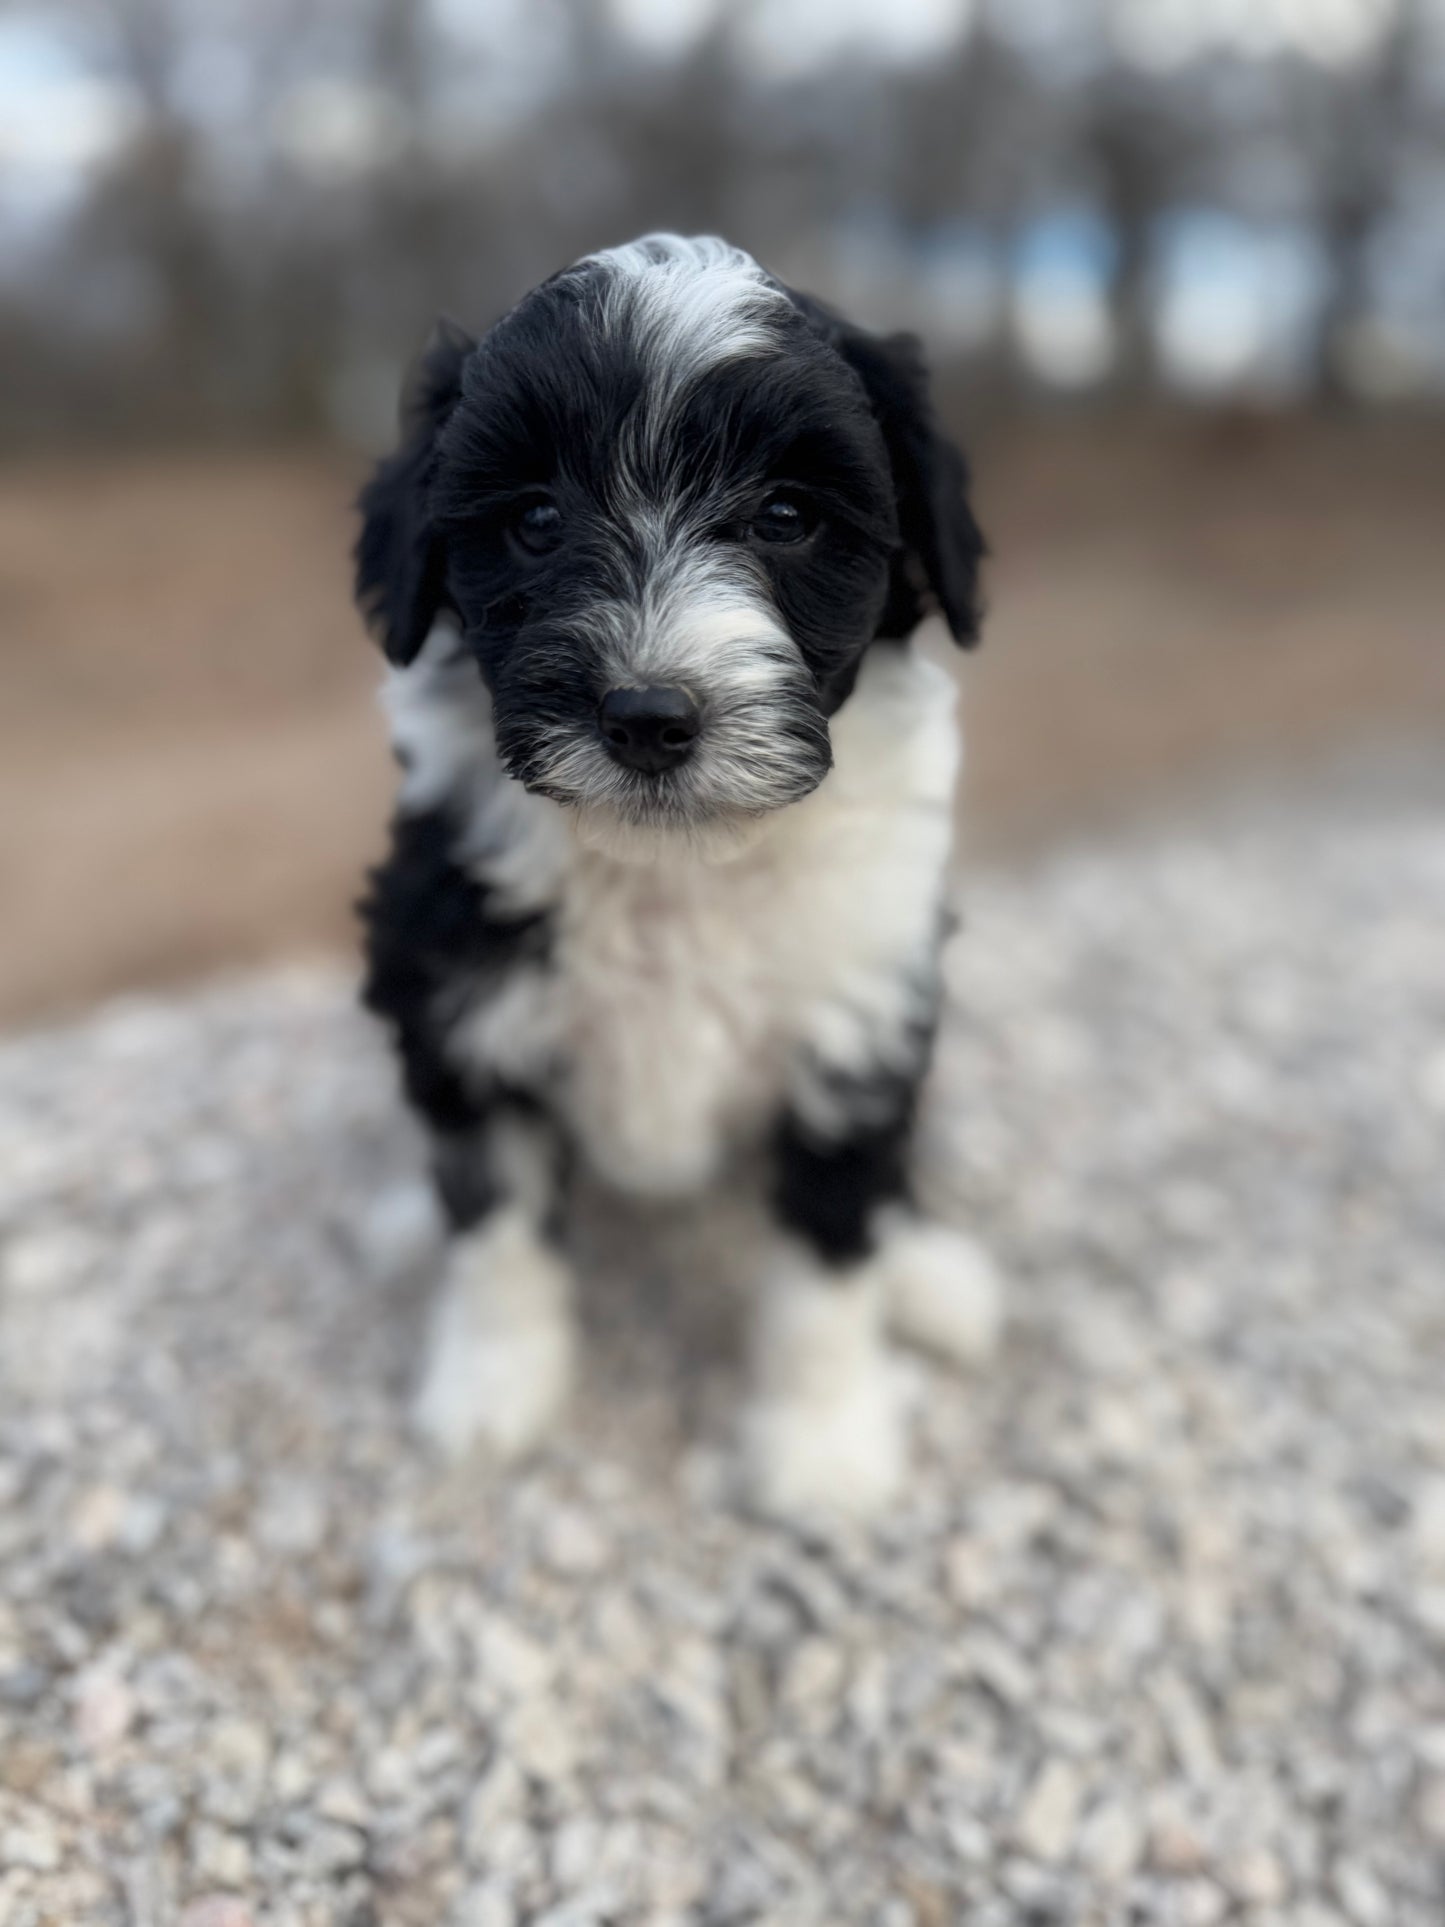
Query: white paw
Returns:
{"type": "Point", "coordinates": [501, 1350]}
{"type": "Point", "coordinates": [942, 1289]}
{"type": "Point", "coordinates": [839, 1457]}
{"type": "Point", "coordinates": [824, 1433]}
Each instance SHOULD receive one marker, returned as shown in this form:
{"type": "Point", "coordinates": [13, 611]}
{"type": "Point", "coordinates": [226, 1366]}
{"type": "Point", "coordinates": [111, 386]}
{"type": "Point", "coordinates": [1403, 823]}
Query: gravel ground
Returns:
{"type": "Point", "coordinates": [1157, 1636]}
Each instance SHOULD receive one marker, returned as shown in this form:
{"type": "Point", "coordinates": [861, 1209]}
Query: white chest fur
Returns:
{"type": "Point", "coordinates": [696, 997]}
{"type": "Point", "coordinates": [687, 1000]}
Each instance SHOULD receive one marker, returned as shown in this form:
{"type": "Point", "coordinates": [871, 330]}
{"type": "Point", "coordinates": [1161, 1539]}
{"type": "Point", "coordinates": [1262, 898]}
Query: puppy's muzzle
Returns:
{"type": "Point", "coordinates": [652, 729]}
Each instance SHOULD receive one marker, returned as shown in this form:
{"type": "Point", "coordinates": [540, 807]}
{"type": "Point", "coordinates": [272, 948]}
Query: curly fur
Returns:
{"type": "Point", "coordinates": [659, 971]}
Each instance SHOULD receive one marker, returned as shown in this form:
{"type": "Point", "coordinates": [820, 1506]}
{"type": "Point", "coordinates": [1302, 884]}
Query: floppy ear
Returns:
{"type": "Point", "coordinates": [400, 567]}
{"type": "Point", "coordinates": [942, 544]}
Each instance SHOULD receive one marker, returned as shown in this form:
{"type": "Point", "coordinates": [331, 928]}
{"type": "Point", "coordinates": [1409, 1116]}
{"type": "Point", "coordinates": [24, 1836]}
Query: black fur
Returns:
{"type": "Point", "coordinates": [941, 545]}
{"type": "Point", "coordinates": [828, 1187]}
{"type": "Point", "coordinates": [400, 562]}
{"type": "Point", "coordinates": [434, 937]}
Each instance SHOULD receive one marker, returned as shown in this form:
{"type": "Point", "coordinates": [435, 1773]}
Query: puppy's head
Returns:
{"type": "Point", "coordinates": [670, 504]}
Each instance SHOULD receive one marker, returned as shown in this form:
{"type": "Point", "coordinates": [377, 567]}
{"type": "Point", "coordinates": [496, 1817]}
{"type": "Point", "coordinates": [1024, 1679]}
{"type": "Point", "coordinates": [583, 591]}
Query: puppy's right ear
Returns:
{"type": "Point", "coordinates": [400, 568]}
{"type": "Point", "coordinates": [941, 546]}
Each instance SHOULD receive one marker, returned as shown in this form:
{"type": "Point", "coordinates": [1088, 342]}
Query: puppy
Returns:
{"type": "Point", "coordinates": [666, 881]}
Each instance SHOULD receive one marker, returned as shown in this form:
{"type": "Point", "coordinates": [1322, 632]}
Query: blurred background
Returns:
{"type": "Point", "coordinates": [1180, 265]}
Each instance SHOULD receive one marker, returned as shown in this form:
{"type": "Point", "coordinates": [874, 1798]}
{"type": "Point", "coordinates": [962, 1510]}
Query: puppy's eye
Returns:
{"type": "Point", "coordinates": [536, 526]}
{"type": "Point", "coordinates": [784, 516]}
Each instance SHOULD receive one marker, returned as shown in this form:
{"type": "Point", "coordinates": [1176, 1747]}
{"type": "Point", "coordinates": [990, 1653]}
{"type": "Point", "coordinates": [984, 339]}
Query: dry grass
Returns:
{"type": "Point", "coordinates": [192, 775]}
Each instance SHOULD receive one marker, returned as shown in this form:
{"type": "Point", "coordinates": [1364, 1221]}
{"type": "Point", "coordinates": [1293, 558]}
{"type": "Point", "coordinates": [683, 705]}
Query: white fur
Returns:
{"type": "Point", "coordinates": [501, 1346]}
{"type": "Point", "coordinates": [439, 713]}
{"type": "Point", "coordinates": [704, 624]}
{"type": "Point", "coordinates": [514, 1030]}
{"type": "Point", "coordinates": [692, 303]}
{"type": "Point", "coordinates": [691, 999]}
{"type": "Point", "coordinates": [694, 992]}
{"type": "Point", "coordinates": [942, 1288]}
{"type": "Point", "coordinates": [439, 717]}
{"type": "Point", "coordinates": [824, 1432]}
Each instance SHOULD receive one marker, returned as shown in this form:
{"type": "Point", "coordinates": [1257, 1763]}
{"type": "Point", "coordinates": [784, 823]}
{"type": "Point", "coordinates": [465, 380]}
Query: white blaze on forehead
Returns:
{"type": "Point", "coordinates": [692, 303]}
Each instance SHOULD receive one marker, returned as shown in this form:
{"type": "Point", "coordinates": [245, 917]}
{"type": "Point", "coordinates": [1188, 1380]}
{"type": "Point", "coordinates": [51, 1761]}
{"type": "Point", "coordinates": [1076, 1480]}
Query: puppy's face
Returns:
{"type": "Point", "coordinates": [671, 504]}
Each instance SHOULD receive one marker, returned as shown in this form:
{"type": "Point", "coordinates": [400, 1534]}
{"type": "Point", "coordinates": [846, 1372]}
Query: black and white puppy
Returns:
{"type": "Point", "coordinates": [667, 874]}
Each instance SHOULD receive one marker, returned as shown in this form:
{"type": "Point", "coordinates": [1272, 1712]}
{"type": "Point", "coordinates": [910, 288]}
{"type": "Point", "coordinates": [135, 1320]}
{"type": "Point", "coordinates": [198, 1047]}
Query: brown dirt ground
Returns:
{"type": "Point", "coordinates": [192, 773]}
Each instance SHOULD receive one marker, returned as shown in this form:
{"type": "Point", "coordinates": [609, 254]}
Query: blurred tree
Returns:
{"type": "Point", "coordinates": [149, 209]}
{"type": "Point", "coordinates": [296, 187]}
{"type": "Point", "coordinates": [1364, 127]}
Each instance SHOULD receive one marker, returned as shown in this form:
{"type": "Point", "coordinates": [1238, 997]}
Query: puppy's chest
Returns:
{"type": "Point", "coordinates": [680, 999]}
{"type": "Point", "coordinates": [681, 996]}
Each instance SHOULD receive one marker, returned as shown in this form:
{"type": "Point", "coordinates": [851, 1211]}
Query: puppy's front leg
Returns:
{"type": "Point", "coordinates": [501, 1347]}
{"type": "Point", "coordinates": [824, 1433]}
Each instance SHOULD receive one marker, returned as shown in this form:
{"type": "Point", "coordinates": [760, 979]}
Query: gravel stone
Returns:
{"type": "Point", "coordinates": [1431, 1808]}
{"type": "Point", "coordinates": [217, 1910]}
{"type": "Point", "coordinates": [1256, 1877]}
{"type": "Point", "coordinates": [1200, 1903]}
{"type": "Point", "coordinates": [105, 1708]}
{"type": "Point", "coordinates": [572, 1546]}
{"type": "Point", "coordinates": [1111, 1842]}
{"type": "Point", "coordinates": [221, 1858]}
{"type": "Point", "coordinates": [487, 1905]}
{"type": "Point", "coordinates": [1155, 1633]}
{"type": "Point", "coordinates": [24, 1685]}
{"type": "Point", "coordinates": [1046, 1825]}
{"type": "Point", "coordinates": [1362, 1894]}
{"type": "Point", "coordinates": [35, 1846]}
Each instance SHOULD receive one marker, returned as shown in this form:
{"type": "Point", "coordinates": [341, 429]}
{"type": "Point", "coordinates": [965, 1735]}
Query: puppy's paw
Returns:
{"type": "Point", "coordinates": [835, 1457]}
{"type": "Point", "coordinates": [501, 1351]}
{"type": "Point", "coordinates": [824, 1434]}
{"type": "Point", "coordinates": [943, 1290]}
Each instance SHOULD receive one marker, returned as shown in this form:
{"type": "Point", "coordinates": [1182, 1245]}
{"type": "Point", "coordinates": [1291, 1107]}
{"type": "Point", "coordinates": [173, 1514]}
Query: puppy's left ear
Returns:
{"type": "Point", "coordinates": [942, 544]}
{"type": "Point", "coordinates": [400, 566]}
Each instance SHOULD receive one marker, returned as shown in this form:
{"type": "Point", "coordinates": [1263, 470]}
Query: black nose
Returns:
{"type": "Point", "coordinates": [649, 729]}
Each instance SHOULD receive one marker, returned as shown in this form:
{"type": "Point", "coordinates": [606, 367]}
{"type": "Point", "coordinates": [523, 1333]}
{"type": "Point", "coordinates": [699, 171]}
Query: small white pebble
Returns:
{"type": "Point", "coordinates": [218, 1910]}
{"type": "Point", "coordinates": [1111, 1842]}
{"type": "Point", "coordinates": [1046, 1825]}
{"type": "Point", "coordinates": [1362, 1894]}
{"type": "Point", "coordinates": [219, 1857]}
{"type": "Point", "coordinates": [98, 1516]}
{"type": "Point", "coordinates": [1175, 1842]}
{"type": "Point", "coordinates": [1197, 1902]}
{"type": "Point", "coordinates": [35, 1845]}
{"type": "Point", "coordinates": [571, 1545]}
{"type": "Point", "coordinates": [540, 1741]}
{"type": "Point", "coordinates": [485, 1905]}
{"type": "Point", "coordinates": [1256, 1877]}
{"type": "Point", "coordinates": [105, 1708]}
